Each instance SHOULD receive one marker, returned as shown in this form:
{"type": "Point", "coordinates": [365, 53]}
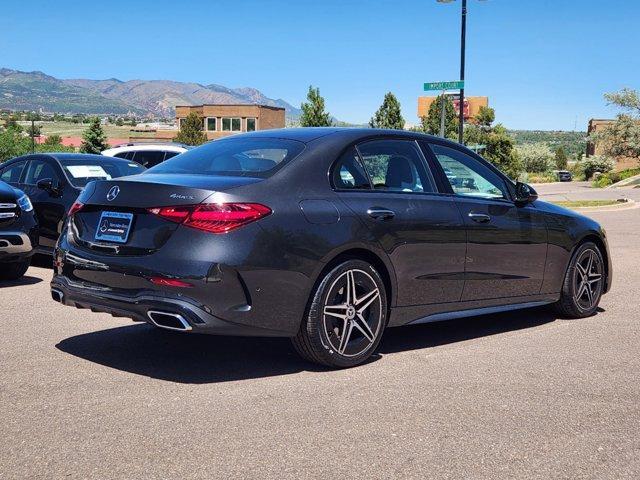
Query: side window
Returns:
{"type": "Point", "coordinates": [169, 155]}
{"type": "Point", "coordinates": [348, 173]}
{"type": "Point", "coordinates": [39, 170]}
{"type": "Point", "coordinates": [121, 155]}
{"type": "Point", "coordinates": [467, 176]}
{"type": "Point", "coordinates": [11, 174]}
{"type": "Point", "coordinates": [396, 166]}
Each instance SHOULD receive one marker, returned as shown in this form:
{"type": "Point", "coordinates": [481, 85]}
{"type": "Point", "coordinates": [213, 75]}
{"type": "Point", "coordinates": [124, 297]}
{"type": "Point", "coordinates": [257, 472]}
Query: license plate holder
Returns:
{"type": "Point", "coordinates": [114, 227]}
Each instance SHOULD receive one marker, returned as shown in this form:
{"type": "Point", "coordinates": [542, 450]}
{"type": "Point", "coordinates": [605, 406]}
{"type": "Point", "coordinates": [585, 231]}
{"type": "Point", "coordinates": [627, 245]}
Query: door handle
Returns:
{"type": "Point", "coordinates": [381, 213]}
{"type": "Point", "coordinates": [479, 217]}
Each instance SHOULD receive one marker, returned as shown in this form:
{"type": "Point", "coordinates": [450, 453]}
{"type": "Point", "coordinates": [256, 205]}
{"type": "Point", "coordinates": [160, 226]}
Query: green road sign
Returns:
{"type": "Point", "coordinates": [457, 85]}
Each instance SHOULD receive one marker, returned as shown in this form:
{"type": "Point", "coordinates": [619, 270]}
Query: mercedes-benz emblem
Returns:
{"type": "Point", "coordinates": [113, 193]}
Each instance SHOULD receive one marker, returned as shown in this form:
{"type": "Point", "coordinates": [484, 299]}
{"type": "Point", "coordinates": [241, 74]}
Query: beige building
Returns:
{"type": "Point", "coordinates": [597, 125]}
{"type": "Point", "coordinates": [222, 120]}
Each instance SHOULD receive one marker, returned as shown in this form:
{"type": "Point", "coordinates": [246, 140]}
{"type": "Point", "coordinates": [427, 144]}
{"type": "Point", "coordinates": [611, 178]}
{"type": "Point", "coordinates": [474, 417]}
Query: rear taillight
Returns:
{"type": "Point", "coordinates": [75, 208]}
{"type": "Point", "coordinates": [214, 217]}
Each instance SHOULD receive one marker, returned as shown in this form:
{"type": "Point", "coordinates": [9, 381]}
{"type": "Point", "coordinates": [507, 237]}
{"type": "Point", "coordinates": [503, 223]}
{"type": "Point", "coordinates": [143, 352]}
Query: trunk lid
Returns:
{"type": "Point", "coordinates": [130, 199]}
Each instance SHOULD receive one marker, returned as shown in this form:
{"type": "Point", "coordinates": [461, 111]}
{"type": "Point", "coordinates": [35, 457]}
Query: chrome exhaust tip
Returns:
{"type": "Point", "coordinates": [57, 295]}
{"type": "Point", "coordinates": [169, 321]}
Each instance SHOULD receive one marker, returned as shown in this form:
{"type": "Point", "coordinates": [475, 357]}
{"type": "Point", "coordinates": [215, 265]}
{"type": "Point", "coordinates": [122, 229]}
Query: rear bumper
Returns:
{"type": "Point", "coordinates": [195, 317]}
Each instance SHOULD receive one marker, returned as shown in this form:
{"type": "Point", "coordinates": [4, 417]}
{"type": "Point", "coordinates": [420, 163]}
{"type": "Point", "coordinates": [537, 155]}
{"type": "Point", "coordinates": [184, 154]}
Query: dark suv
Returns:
{"type": "Point", "coordinates": [18, 232]}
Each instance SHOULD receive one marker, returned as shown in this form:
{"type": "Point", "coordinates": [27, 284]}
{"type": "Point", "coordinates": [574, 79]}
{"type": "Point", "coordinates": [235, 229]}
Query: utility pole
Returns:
{"type": "Point", "coordinates": [462, 55]}
{"type": "Point", "coordinates": [33, 136]}
{"type": "Point", "coordinates": [442, 114]}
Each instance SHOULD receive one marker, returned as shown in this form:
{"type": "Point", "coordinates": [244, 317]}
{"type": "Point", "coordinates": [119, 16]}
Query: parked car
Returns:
{"type": "Point", "coordinates": [327, 236]}
{"type": "Point", "coordinates": [18, 232]}
{"type": "Point", "coordinates": [564, 176]}
{"type": "Point", "coordinates": [146, 154]}
{"type": "Point", "coordinates": [53, 181]}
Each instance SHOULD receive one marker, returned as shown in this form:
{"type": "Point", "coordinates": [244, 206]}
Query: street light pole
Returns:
{"type": "Point", "coordinates": [463, 35]}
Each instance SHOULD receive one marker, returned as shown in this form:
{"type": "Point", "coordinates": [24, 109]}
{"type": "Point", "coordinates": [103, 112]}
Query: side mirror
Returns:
{"type": "Point", "coordinates": [47, 185]}
{"type": "Point", "coordinates": [525, 194]}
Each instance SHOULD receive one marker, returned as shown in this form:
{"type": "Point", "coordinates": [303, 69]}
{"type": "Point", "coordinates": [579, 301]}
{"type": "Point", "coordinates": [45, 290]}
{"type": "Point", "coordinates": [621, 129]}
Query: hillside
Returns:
{"type": "Point", "coordinates": [36, 90]}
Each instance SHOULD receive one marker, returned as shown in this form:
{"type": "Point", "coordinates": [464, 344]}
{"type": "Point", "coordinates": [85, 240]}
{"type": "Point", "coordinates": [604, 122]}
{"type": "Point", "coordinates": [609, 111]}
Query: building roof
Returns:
{"type": "Point", "coordinates": [231, 105]}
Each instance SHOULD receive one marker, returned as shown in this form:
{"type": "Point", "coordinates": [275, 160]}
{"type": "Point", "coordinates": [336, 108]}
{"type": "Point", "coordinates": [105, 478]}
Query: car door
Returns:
{"type": "Point", "coordinates": [387, 184]}
{"type": "Point", "coordinates": [50, 204]}
{"type": "Point", "coordinates": [506, 243]}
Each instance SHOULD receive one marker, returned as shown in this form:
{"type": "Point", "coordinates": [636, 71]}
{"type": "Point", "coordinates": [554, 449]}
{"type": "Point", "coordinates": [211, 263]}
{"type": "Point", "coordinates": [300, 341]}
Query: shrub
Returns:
{"type": "Point", "coordinates": [535, 157]}
{"type": "Point", "coordinates": [596, 163]}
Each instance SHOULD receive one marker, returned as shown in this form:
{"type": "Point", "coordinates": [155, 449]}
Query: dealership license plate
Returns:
{"type": "Point", "coordinates": [114, 227]}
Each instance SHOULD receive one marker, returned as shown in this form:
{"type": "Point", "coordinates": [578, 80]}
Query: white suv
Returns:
{"type": "Point", "coordinates": [146, 154]}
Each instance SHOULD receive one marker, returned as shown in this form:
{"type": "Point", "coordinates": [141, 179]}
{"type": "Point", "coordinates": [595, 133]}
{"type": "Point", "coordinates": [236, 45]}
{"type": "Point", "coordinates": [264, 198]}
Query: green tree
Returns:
{"type": "Point", "coordinates": [313, 114]}
{"type": "Point", "coordinates": [53, 140]}
{"type": "Point", "coordinates": [191, 131]}
{"type": "Point", "coordinates": [35, 131]}
{"type": "Point", "coordinates": [94, 139]}
{"type": "Point", "coordinates": [388, 115]}
{"type": "Point", "coordinates": [498, 145]}
{"type": "Point", "coordinates": [119, 122]}
{"type": "Point", "coordinates": [622, 138]}
{"type": "Point", "coordinates": [13, 143]}
{"type": "Point", "coordinates": [561, 159]}
{"type": "Point", "coordinates": [485, 117]}
{"type": "Point", "coordinates": [431, 123]}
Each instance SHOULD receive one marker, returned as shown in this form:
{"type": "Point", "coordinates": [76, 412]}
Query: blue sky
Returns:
{"type": "Point", "coordinates": [544, 64]}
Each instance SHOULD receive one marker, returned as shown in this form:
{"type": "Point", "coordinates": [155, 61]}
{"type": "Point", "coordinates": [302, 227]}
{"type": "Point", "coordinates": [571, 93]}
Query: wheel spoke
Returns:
{"type": "Point", "coordinates": [351, 288]}
{"type": "Point", "coordinates": [589, 294]}
{"type": "Point", "coordinates": [346, 335]}
{"type": "Point", "coordinates": [590, 262]}
{"type": "Point", "coordinates": [581, 270]}
{"type": "Point", "coordinates": [581, 291]}
{"type": "Point", "coordinates": [338, 311]}
{"type": "Point", "coordinates": [360, 323]}
{"type": "Point", "coordinates": [363, 303]}
{"type": "Point", "coordinates": [594, 278]}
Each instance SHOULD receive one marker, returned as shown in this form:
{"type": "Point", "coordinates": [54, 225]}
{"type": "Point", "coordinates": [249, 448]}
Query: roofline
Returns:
{"type": "Point", "coordinates": [231, 105]}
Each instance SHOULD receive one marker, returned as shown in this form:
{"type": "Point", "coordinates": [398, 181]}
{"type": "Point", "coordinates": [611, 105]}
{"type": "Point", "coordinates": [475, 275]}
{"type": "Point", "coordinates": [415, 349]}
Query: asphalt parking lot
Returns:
{"type": "Point", "coordinates": [516, 395]}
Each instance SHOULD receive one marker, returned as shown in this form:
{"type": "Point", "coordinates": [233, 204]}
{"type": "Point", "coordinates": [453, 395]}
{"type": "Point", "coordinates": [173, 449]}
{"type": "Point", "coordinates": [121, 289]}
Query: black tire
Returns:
{"type": "Point", "coordinates": [14, 270]}
{"type": "Point", "coordinates": [573, 303]}
{"type": "Point", "coordinates": [321, 338]}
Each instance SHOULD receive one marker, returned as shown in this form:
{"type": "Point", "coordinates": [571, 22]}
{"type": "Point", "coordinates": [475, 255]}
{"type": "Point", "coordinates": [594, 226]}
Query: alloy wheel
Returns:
{"type": "Point", "coordinates": [352, 313]}
{"type": "Point", "coordinates": [587, 279]}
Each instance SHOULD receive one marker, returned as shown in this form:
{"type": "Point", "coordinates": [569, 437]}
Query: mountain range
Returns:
{"type": "Point", "coordinates": [158, 98]}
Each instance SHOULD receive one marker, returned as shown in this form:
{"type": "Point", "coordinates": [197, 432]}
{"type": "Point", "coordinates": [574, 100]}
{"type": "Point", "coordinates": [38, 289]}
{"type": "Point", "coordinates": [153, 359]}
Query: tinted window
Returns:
{"type": "Point", "coordinates": [234, 156]}
{"type": "Point", "coordinates": [169, 155]}
{"type": "Point", "coordinates": [251, 124]}
{"type": "Point", "coordinates": [468, 176]}
{"type": "Point", "coordinates": [211, 124]}
{"type": "Point", "coordinates": [40, 170]}
{"type": "Point", "coordinates": [81, 171]}
{"type": "Point", "coordinates": [395, 166]}
{"type": "Point", "coordinates": [149, 158]}
{"type": "Point", "coordinates": [11, 174]}
{"type": "Point", "coordinates": [348, 173]}
{"type": "Point", "coordinates": [121, 155]}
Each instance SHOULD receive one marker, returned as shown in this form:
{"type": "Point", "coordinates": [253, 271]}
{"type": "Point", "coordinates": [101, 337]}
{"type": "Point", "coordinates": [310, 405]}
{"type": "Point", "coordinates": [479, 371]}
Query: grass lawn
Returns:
{"type": "Point", "coordinates": [70, 129]}
{"type": "Point", "coordinates": [586, 203]}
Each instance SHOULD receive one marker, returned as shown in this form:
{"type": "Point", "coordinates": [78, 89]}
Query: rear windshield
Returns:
{"type": "Point", "coordinates": [250, 157]}
{"type": "Point", "coordinates": [81, 171]}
